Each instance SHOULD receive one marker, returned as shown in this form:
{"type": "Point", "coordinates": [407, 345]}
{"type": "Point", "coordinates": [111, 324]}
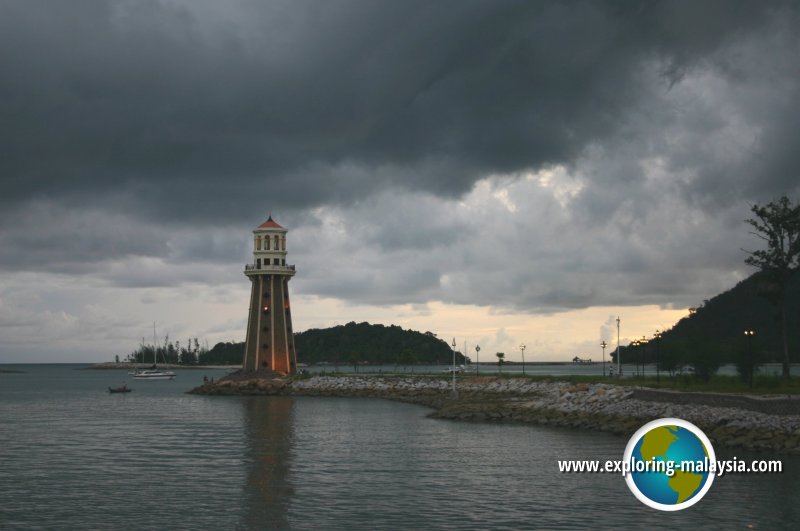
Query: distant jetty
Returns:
{"type": "Point", "coordinates": [737, 421]}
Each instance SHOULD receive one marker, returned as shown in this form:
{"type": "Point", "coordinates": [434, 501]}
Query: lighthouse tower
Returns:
{"type": "Point", "coordinates": [270, 343]}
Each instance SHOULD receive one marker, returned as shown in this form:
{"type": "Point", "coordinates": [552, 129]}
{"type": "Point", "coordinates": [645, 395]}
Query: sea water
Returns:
{"type": "Point", "coordinates": [73, 456]}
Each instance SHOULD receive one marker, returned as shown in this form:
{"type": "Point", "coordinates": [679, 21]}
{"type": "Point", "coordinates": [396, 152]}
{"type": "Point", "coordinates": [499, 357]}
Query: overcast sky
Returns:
{"type": "Point", "coordinates": [498, 171]}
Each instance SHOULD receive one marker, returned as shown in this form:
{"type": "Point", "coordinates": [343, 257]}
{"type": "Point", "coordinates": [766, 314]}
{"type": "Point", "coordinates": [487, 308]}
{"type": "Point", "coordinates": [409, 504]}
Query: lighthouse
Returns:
{"type": "Point", "coordinates": [269, 343]}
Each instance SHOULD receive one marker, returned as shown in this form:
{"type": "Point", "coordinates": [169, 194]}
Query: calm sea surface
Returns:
{"type": "Point", "coordinates": [73, 456]}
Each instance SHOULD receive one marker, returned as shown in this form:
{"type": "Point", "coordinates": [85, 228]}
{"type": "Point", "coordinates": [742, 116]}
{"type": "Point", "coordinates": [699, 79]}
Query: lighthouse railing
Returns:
{"type": "Point", "coordinates": [268, 267]}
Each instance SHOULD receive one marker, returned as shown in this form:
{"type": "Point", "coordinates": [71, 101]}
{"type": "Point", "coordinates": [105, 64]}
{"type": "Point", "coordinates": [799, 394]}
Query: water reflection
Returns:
{"type": "Point", "coordinates": [269, 431]}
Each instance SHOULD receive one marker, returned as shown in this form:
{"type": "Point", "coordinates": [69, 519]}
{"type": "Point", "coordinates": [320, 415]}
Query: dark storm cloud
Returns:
{"type": "Point", "coordinates": [607, 151]}
{"type": "Point", "coordinates": [188, 111]}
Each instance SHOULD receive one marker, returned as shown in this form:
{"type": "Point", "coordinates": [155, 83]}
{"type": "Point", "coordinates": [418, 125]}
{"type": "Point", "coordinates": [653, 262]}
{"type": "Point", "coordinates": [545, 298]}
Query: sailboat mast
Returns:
{"type": "Point", "coordinates": [155, 346]}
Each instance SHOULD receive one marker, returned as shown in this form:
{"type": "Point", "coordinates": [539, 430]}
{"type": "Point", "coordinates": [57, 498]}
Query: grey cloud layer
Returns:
{"type": "Point", "coordinates": [155, 99]}
{"type": "Point", "coordinates": [122, 117]}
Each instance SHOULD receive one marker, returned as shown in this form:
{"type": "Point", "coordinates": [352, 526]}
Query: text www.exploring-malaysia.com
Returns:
{"type": "Point", "coordinates": [719, 468]}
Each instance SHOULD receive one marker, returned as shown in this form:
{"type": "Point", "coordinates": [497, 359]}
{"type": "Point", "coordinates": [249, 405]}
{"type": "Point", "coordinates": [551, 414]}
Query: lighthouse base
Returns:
{"type": "Point", "coordinates": [270, 342]}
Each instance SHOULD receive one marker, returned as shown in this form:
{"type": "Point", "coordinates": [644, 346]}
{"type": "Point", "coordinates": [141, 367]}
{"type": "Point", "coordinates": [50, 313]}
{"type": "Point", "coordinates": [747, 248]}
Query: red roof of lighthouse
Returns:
{"type": "Point", "coordinates": [269, 224]}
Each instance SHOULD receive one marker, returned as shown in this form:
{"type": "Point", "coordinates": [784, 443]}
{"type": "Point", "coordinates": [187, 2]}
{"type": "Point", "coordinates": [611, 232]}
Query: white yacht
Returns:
{"type": "Point", "coordinates": [153, 372]}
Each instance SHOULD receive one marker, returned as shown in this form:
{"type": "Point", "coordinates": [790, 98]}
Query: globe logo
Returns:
{"type": "Point", "coordinates": [670, 463]}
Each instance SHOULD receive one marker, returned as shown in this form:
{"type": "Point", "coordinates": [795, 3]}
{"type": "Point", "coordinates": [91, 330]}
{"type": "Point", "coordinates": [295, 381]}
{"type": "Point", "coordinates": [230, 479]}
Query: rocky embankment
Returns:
{"type": "Point", "coordinates": [761, 423]}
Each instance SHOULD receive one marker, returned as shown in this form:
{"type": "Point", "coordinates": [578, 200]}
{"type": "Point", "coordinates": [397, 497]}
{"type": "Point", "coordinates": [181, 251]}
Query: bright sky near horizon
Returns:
{"type": "Point", "coordinates": [498, 172]}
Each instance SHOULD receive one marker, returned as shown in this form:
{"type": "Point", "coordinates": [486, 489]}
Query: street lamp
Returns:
{"type": "Point", "coordinates": [751, 369]}
{"type": "Point", "coordinates": [657, 337]}
{"type": "Point", "coordinates": [604, 345]}
{"type": "Point", "coordinates": [477, 358]}
{"type": "Point", "coordinates": [522, 348]}
{"type": "Point", "coordinates": [455, 394]}
{"type": "Point", "coordinates": [643, 354]}
{"type": "Point", "coordinates": [619, 364]}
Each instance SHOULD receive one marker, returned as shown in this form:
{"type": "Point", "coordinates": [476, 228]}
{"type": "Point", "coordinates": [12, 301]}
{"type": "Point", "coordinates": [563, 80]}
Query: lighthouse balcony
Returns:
{"type": "Point", "coordinates": [268, 269]}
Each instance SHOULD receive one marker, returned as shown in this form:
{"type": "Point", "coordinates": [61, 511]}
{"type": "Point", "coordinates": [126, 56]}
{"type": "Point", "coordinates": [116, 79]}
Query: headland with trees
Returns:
{"type": "Point", "coordinates": [754, 323]}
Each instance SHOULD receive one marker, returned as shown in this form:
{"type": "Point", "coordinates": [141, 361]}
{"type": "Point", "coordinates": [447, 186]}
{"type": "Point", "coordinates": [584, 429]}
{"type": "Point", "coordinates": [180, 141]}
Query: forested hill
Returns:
{"type": "Point", "coordinates": [375, 344]}
{"type": "Point", "coordinates": [355, 343]}
{"type": "Point", "coordinates": [716, 327]}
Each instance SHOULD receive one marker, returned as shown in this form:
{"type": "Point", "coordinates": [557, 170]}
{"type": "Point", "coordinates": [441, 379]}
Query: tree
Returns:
{"type": "Point", "coordinates": [778, 224]}
{"type": "Point", "coordinates": [355, 358]}
{"type": "Point", "coordinates": [187, 357]}
{"type": "Point", "coordinates": [405, 358]}
{"type": "Point", "coordinates": [706, 358]}
{"type": "Point", "coordinates": [670, 357]}
{"type": "Point", "coordinates": [748, 358]}
{"type": "Point", "coordinates": [222, 354]}
{"type": "Point", "coordinates": [501, 359]}
{"type": "Point", "coordinates": [377, 344]}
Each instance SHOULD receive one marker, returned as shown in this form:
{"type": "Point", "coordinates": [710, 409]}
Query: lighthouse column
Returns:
{"type": "Point", "coordinates": [270, 342]}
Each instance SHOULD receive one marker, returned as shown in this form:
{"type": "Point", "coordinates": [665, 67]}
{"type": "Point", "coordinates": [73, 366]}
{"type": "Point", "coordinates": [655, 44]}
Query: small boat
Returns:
{"type": "Point", "coordinates": [121, 389]}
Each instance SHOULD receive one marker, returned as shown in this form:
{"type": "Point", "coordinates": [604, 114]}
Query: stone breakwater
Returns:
{"type": "Point", "coordinates": [747, 424]}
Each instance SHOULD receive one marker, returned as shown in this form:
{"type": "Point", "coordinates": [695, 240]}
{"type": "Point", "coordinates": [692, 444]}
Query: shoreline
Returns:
{"type": "Point", "coordinates": [132, 366]}
{"type": "Point", "coordinates": [754, 423]}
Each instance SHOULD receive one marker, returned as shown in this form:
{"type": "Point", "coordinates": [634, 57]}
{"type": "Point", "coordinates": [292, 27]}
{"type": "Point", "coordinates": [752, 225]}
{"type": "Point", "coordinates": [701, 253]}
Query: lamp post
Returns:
{"type": "Point", "coordinates": [751, 368]}
{"type": "Point", "coordinates": [453, 368]}
{"type": "Point", "coordinates": [522, 348]}
{"type": "Point", "coordinates": [477, 358]}
{"type": "Point", "coordinates": [619, 364]}
{"type": "Point", "coordinates": [604, 345]}
{"type": "Point", "coordinates": [643, 354]}
{"type": "Point", "coordinates": [657, 337]}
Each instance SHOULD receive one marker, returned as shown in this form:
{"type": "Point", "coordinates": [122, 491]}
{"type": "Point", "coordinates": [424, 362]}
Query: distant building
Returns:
{"type": "Point", "coordinates": [270, 342]}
